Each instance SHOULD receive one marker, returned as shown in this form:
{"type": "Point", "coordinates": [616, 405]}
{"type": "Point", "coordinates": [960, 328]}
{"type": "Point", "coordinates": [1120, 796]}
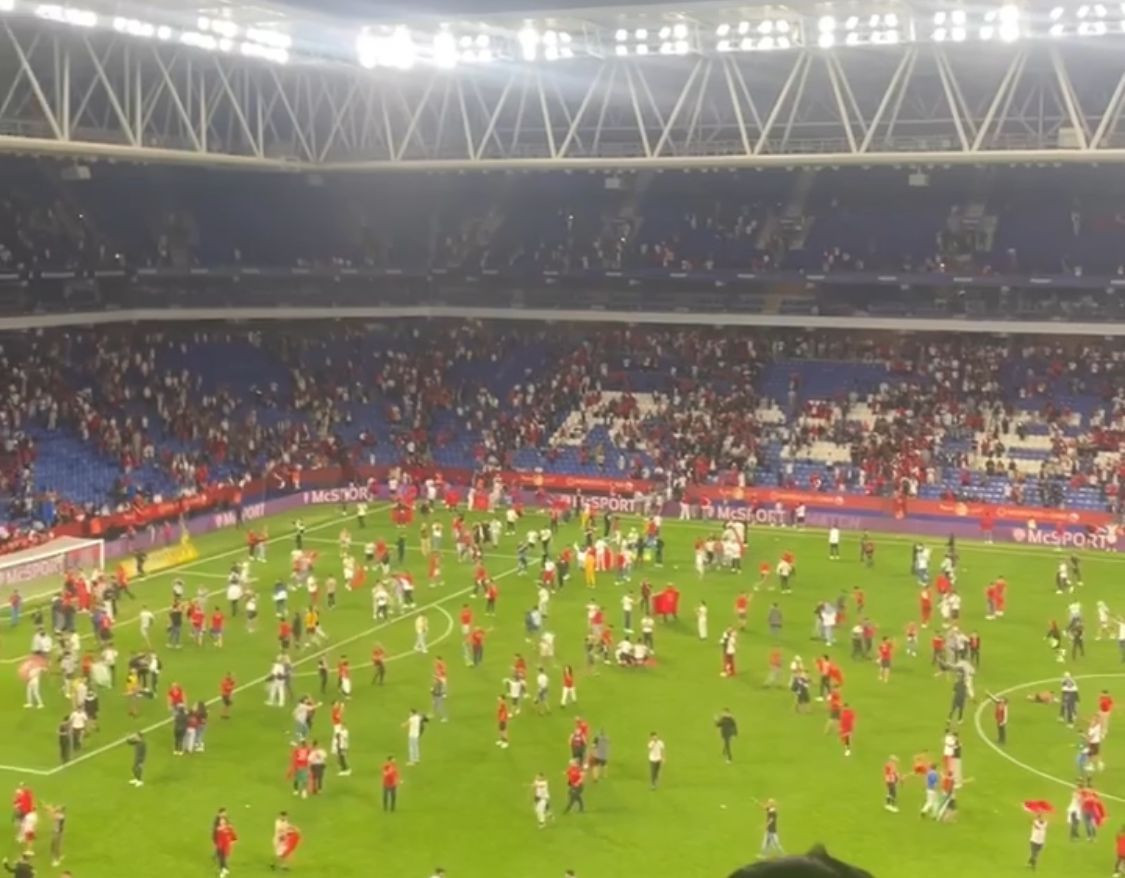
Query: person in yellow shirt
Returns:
{"type": "Point", "coordinates": [133, 691]}
{"type": "Point", "coordinates": [590, 566]}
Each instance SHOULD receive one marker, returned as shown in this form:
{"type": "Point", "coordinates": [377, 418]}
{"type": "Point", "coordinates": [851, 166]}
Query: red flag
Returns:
{"type": "Point", "coordinates": [1038, 806]}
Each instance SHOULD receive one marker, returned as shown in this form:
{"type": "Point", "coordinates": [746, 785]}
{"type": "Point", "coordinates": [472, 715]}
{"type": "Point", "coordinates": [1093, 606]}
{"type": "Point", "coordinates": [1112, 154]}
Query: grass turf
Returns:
{"type": "Point", "coordinates": [467, 806]}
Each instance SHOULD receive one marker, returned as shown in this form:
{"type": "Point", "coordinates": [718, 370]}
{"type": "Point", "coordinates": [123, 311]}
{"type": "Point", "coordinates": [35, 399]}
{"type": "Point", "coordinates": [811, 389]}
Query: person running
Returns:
{"type": "Point", "coordinates": [575, 786]}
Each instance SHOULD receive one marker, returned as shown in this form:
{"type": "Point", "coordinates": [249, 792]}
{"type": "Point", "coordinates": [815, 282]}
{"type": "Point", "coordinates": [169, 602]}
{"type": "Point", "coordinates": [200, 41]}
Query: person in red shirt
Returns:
{"type": "Point", "coordinates": [886, 649]}
{"type": "Point", "coordinates": [344, 676]}
{"type": "Point", "coordinates": [925, 606]}
{"type": "Point", "coordinates": [1001, 594]}
{"type": "Point", "coordinates": [224, 838]}
{"type": "Point", "coordinates": [1105, 708]}
{"type": "Point", "coordinates": [891, 778]}
{"type": "Point", "coordinates": [440, 672]}
{"type": "Point", "coordinates": [378, 665]}
{"type": "Point", "coordinates": [390, 784]}
{"type": "Point", "coordinates": [835, 705]}
{"type": "Point", "coordinates": [860, 600]}
{"type": "Point", "coordinates": [823, 664]}
{"type": "Point", "coordinates": [847, 728]}
{"type": "Point", "coordinates": [226, 694]}
{"type": "Point", "coordinates": [337, 714]}
{"type": "Point", "coordinates": [491, 593]}
{"type": "Point", "coordinates": [835, 675]}
{"type": "Point", "coordinates": [502, 717]}
{"type": "Point", "coordinates": [435, 569]}
{"type": "Point", "coordinates": [23, 801]}
{"type": "Point", "coordinates": [937, 642]}
{"type": "Point", "coordinates": [773, 675]}
{"type": "Point", "coordinates": [217, 621]}
{"type": "Point", "coordinates": [480, 579]}
{"type": "Point", "coordinates": [299, 769]}
{"type": "Point", "coordinates": [1119, 846]}
{"type": "Point", "coordinates": [176, 697]}
{"type": "Point", "coordinates": [990, 601]}
{"type": "Point", "coordinates": [284, 634]}
{"type": "Point", "coordinates": [476, 645]}
{"type": "Point", "coordinates": [742, 609]}
{"type": "Point", "coordinates": [466, 620]}
{"type": "Point", "coordinates": [575, 784]}
{"type": "Point", "coordinates": [763, 574]}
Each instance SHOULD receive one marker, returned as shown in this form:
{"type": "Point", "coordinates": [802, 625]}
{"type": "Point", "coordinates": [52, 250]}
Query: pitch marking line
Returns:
{"type": "Point", "coordinates": [1031, 768]}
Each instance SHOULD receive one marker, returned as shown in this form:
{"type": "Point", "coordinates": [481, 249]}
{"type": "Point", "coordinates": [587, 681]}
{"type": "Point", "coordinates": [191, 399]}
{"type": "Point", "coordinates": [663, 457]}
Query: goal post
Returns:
{"type": "Point", "coordinates": [38, 573]}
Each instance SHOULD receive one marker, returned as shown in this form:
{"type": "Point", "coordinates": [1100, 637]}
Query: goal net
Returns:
{"type": "Point", "coordinates": [39, 572]}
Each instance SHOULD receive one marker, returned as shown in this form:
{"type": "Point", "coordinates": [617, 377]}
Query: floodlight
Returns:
{"type": "Point", "coordinates": [723, 46]}
{"type": "Point", "coordinates": [827, 24]}
{"type": "Point", "coordinates": [7, 5]}
{"type": "Point", "coordinates": [958, 16]}
{"type": "Point", "coordinates": [765, 43]}
{"type": "Point", "coordinates": [551, 53]}
{"type": "Point", "coordinates": [853, 20]}
{"type": "Point", "coordinates": [528, 39]}
{"type": "Point", "coordinates": [1083, 11]}
{"type": "Point", "coordinates": [783, 26]}
{"type": "Point", "coordinates": [851, 39]}
{"type": "Point", "coordinates": [939, 35]}
{"type": "Point", "coordinates": [958, 34]}
{"type": "Point", "coordinates": [743, 28]}
{"type": "Point", "coordinates": [682, 47]}
{"type": "Point", "coordinates": [825, 40]}
{"type": "Point", "coordinates": [621, 51]}
{"type": "Point", "coordinates": [550, 38]}
{"type": "Point", "coordinates": [642, 49]}
{"type": "Point", "coordinates": [622, 35]}
{"type": "Point", "coordinates": [680, 31]}
{"type": "Point", "coordinates": [872, 22]}
{"type": "Point", "coordinates": [1056, 30]}
{"type": "Point", "coordinates": [766, 27]}
{"type": "Point", "coordinates": [666, 48]}
{"type": "Point", "coordinates": [640, 34]}
{"type": "Point", "coordinates": [747, 44]}
{"type": "Point", "coordinates": [783, 42]}
{"type": "Point", "coordinates": [665, 32]}
{"type": "Point", "coordinates": [445, 49]}
{"type": "Point", "coordinates": [939, 18]}
{"type": "Point", "coordinates": [722, 30]}
{"type": "Point", "coordinates": [1056, 13]}
{"type": "Point", "coordinates": [164, 32]}
{"type": "Point", "coordinates": [890, 20]}
{"type": "Point", "coordinates": [986, 32]}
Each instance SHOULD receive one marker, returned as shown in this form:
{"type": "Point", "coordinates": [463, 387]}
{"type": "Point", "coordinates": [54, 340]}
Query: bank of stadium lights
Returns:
{"type": "Point", "coordinates": [392, 48]}
{"type": "Point", "coordinates": [668, 39]}
{"type": "Point", "coordinates": [1087, 20]}
{"type": "Point", "coordinates": [761, 36]}
{"type": "Point", "coordinates": [1001, 24]}
{"type": "Point", "coordinates": [950, 26]}
{"type": "Point", "coordinates": [876, 29]}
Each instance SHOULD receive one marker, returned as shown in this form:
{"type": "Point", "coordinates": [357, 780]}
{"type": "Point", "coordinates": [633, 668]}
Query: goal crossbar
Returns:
{"type": "Point", "coordinates": [38, 572]}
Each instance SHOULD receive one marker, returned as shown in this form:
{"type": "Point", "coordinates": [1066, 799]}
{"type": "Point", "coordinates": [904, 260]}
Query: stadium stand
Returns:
{"type": "Point", "coordinates": [92, 421]}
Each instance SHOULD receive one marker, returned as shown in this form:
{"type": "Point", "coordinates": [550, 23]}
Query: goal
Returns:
{"type": "Point", "coordinates": [39, 572]}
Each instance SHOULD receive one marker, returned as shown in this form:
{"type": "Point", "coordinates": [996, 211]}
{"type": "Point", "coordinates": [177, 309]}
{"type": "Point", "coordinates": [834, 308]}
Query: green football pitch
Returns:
{"type": "Point", "coordinates": [467, 807]}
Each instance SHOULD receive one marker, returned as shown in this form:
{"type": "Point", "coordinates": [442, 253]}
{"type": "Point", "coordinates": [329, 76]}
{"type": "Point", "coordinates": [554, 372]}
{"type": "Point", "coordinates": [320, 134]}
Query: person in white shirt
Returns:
{"type": "Point", "coordinates": [234, 593]}
{"type": "Point", "coordinates": [541, 795]}
{"type": "Point", "coordinates": [146, 618]}
{"type": "Point", "coordinates": [78, 721]}
{"type": "Point", "coordinates": [828, 622]}
{"type": "Point", "coordinates": [275, 685]}
{"type": "Point", "coordinates": [544, 601]}
{"type": "Point", "coordinates": [33, 698]}
{"type": "Point", "coordinates": [627, 613]}
{"type": "Point", "coordinates": [834, 543]}
{"type": "Point", "coordinates": [547, 645]}
{"type": "Point", "coordinates": [541, 692]}
{"type": "Point", "coordinates": [421, 629]}
{"type": "Point", "coordinates": [381, 602]}
{"type": "Point", "coordinates": [413, 726]}
{"type": "Point", "coordinates": [655, 759]}
{"type": "Point", "coordinates": [701, 620]}
{"type": "Point", "coordinates": [1037, 841]}
{"type": "Point", "coordinates": [640, 654]}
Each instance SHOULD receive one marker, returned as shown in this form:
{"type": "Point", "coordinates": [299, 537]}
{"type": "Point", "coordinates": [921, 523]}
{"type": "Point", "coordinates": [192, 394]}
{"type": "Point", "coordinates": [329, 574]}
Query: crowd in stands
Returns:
{"type": "Point", "coordinates": [92, 422]}
{"type": "Point", "coordinates": [1010, 222]}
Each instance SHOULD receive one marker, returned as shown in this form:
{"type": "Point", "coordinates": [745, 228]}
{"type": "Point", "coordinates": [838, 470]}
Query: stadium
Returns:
{"type": "Point", "coordinates": [671, 440]}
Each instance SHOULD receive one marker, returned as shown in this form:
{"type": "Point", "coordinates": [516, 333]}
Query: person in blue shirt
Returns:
{"type": "Point", "coordinates": [933, 781]}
